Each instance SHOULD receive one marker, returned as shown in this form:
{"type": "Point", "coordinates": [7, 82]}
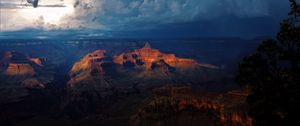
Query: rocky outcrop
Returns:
{"type": "Point", "coordinates": [89, 70]}
{"type": "Point", "coordinates": [17, 64]}
{"type": "Point", "coordinates": [151, 68]}
{"type": "Point", "coordinates": [171, 103]}
{"type": "Point", "coordinates": [18, 70]}
{"type": "Point", "coordinates": [14, 69]}
{"type": "Point", "coordinates": [148, 57]}
{"type": "Point", "coordinates": [37, 61]}
{"type": "Point", "coordinates": [89, 87]}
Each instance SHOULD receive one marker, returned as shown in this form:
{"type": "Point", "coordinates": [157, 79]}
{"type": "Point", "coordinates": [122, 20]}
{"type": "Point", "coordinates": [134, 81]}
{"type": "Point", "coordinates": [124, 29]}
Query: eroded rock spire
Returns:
{"type": "Point", "coordinates": [147, 45]}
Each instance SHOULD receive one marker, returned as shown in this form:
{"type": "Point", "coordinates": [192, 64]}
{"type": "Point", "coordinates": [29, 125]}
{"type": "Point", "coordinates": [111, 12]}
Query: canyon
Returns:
{"type": "Point", "coordinates": [116, 84]}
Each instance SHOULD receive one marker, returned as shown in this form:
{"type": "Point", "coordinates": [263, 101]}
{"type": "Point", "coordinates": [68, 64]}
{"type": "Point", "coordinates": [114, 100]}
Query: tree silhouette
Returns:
{"type": "Point", "coordinates": [273, 74]}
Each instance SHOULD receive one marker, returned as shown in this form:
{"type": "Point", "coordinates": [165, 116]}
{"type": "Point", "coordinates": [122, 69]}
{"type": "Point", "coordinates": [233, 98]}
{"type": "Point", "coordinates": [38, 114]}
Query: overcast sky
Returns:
{"type": "Point", "coordinates": [146, 18]}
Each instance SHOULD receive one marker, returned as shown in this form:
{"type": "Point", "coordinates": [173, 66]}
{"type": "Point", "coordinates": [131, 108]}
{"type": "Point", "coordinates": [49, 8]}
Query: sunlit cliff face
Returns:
{"type": "Point", "coordinates": [149, 56]}
{"type": "Point", "coordinates": [85, 68]}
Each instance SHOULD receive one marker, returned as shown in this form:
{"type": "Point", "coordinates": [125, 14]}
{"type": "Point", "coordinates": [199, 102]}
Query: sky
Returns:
{"type": "Point", "coordinates": [143, 18]}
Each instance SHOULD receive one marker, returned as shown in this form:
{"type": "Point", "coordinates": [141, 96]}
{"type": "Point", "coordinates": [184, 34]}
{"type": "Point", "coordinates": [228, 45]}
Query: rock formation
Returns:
{"type": "Point", "coordinates": [22, 79]}
{"type": "Point", "coordinates": [148, 57]}
{"type": "Point", "coordinates": [18, 67]}
{"type": "Point", "coordinates": [89, 70]}
{"type": "Point", "coordinates": [152, 68]}
{"type": "Point", "coordinates": [20, 73]}
{"type": "Point", "coordinates": [14, 69]}
{"type": "Point", "coordinates": [89, 87]}
{"type": "Point", "coordinates": [37, 61]}
{"type": "Point", "coordinates": [143, 68]}
{"type": "Point", "coordinates": [175, 105]}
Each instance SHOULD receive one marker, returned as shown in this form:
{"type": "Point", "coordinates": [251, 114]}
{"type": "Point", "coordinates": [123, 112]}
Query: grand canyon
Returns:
{"type": "Point", "coordinates": [149, 62]}
{"type": "Point", "coordinates": [121, 82]}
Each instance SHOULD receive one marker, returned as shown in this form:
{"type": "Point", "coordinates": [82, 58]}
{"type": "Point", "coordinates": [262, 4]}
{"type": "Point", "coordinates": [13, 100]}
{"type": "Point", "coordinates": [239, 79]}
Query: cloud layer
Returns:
{"type": "Point", "coordinates": [137, 14]}
{"type": "Point", "coordinates": [131, 15]}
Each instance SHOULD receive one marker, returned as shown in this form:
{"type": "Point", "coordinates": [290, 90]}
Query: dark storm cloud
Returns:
{"type": "Point", "coordinates": [186, 18]}
{"type": "Point", "coordinates": [128, 13]}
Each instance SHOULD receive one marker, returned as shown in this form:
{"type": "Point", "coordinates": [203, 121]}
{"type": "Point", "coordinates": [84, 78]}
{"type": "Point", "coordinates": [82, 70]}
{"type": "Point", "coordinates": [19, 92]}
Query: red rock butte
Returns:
{"type": "Point", "coordinates": [37, 61]}
{"type": "Point", "coordinates": [18, 64]}
{"type": "Point", "coordinates": [83, 69]}
{"type": "Point", "coordinates": [148, 56]}
{"type": "Point", "coordinates": [19, 70]}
